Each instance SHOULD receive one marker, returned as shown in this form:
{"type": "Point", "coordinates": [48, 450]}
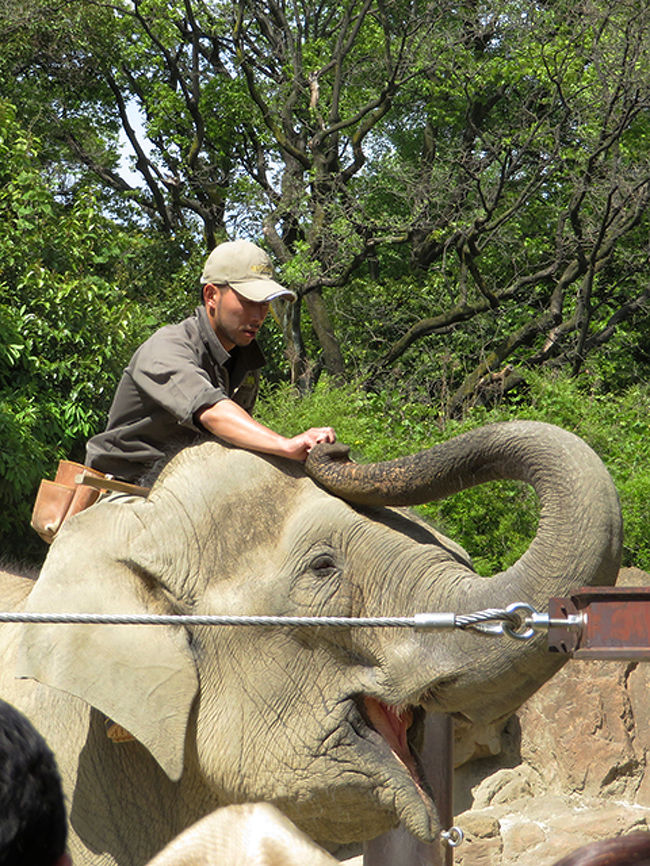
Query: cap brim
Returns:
{"type": "Point", "coordinates": [262, 290]}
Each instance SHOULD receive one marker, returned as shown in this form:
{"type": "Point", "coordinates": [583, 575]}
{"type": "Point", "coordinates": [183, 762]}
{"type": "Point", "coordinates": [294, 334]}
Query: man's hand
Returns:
{"type": "Point", "coordinates": [298, 447]}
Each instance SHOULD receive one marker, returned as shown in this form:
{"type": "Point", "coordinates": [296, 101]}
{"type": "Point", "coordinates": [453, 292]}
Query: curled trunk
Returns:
{"type": "Point", "coordinates": [579, 534]}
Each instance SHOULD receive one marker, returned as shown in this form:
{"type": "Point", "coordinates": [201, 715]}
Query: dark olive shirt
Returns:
{"type": "Point", "coordinates": [178, 371]}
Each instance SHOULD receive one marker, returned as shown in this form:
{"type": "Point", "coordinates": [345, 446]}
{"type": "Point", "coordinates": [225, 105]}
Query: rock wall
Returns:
{"type": "Point", "coordinates": [571, 767]}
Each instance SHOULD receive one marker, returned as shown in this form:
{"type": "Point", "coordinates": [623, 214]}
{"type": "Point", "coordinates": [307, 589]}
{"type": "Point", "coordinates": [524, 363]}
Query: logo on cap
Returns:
{"type": "Point", "coordinates": [263, 268]}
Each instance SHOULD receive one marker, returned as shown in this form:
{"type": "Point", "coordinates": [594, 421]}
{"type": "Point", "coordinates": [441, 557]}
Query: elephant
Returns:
{"type": "Point", "coordinates": [323, 724]}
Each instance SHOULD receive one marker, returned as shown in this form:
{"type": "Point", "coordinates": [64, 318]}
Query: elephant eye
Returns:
{"type": "Point", "coordinates": [323, 564]}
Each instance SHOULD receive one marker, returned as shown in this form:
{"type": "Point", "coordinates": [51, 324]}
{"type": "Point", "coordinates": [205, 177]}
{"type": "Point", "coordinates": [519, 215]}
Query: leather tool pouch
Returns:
{"type": "Point", "coordinates": [59, 499]}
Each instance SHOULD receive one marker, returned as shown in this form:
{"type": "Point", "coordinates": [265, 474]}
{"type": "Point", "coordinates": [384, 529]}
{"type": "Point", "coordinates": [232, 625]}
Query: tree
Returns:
{"type": "Point", "coordinates": [473, 179]}
{"type": "Point", "coordinates": [549, 173]}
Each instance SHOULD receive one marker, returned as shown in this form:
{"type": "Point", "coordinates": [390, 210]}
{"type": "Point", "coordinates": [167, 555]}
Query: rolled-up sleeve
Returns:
{"type": "Point", "coordinates": [168, 372]}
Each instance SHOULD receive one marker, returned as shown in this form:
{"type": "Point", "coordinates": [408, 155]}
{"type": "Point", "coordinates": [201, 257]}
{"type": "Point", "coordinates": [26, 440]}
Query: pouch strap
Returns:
{"type": "Point", "coordinates": [106, 483]}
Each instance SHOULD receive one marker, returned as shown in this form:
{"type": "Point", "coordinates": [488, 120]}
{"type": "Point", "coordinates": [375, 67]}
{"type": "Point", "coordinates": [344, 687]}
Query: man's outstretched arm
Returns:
{"type": "Point", "coordinates": [227, 420]}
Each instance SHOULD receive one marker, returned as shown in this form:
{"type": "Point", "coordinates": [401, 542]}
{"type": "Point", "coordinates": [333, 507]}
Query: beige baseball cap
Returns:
{"type": "Point", "coordinates": [246, 268]}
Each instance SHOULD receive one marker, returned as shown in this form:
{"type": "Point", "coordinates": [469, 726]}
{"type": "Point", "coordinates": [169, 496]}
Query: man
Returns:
{"type": "Point", "coordinates": [33, 829]}
{"type": "Point", "coordinates": [201, 375]}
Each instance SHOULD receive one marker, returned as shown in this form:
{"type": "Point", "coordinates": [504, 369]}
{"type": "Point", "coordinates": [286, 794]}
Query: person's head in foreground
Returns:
{"type": "Point", "coordinates": [33, 829]}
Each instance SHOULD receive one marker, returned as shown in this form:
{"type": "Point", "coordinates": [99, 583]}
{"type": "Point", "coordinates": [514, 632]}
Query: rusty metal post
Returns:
{"type": "Point", "coordinates": [398, 847]}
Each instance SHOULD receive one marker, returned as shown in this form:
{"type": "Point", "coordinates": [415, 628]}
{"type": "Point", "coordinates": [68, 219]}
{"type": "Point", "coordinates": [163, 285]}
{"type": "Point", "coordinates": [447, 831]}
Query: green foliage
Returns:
{"type": "Point", "coordinates": [407, 160]}
{"type": "Point", "coordinates": [66, 328]}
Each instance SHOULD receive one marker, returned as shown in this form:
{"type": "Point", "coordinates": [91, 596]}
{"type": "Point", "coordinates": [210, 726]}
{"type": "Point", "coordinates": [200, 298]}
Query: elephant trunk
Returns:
{"type": "Point", "coordinates": [579, 535]}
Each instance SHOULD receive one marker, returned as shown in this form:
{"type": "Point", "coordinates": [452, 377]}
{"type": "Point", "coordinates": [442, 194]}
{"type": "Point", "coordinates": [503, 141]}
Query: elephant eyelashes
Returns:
{"type": "Point", "coordinates": [323, 565]}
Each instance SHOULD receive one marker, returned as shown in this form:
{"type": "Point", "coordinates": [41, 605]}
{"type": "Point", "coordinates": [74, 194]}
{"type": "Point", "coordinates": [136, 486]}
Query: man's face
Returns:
{"type": "Point", "coordinates": [234, 319]}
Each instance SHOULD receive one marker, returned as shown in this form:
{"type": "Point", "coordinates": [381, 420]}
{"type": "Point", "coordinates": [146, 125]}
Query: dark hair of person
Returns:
{"type": "Point", "coordinates": [33, 829]}
{"type": "Point", "coordinates": [630, 850]}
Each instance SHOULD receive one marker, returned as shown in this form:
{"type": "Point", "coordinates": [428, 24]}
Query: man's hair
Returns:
{"type": "Point", "coordinates": [33, 827]}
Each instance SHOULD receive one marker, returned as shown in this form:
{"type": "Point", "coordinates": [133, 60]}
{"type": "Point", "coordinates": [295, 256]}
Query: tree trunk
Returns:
{"type": "Point", "coordinates": [325, 333]}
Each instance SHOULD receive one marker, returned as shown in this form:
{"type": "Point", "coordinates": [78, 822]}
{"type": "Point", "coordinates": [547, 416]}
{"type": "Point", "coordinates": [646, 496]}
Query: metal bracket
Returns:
{"type": "Point", "coordinates": [614, 623]}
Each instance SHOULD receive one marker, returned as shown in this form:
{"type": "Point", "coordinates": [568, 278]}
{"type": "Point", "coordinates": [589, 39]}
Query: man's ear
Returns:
{"type": "Point", "coordinates": [63, 860]}
{"type": "Point", "coordinates": [141, 676]}
{"type": "Point", "coordinates": [210, 295]}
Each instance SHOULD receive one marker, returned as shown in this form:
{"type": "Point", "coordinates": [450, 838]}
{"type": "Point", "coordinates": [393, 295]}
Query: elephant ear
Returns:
{"type": "Point", "coordinates": [141, 676]}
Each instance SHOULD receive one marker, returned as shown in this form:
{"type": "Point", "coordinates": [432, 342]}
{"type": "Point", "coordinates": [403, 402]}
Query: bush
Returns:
{"type": "Point", "coordinates": [66, 330]}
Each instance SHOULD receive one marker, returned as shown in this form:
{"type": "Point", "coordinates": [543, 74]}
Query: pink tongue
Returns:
{"type": "Point", "coordinates": [393, 727]}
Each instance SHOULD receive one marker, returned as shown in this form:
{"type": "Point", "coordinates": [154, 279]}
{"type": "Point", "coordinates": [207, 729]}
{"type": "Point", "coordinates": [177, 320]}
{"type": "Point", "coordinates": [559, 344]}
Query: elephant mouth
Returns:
{"type": "Point", "coordinates": [394, 724]}
{"type": "Point", "coordinates": [400, 728]}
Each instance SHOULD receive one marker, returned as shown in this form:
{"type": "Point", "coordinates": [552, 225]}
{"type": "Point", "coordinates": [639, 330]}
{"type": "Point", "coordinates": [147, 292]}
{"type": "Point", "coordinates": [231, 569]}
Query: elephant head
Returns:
{"type": "Point", "coordinates": [323, 723]}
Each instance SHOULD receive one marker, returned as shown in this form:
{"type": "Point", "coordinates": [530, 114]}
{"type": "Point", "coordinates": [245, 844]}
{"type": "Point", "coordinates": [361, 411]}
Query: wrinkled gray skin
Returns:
{"type": "Point", "coordinates": [228, 715]}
